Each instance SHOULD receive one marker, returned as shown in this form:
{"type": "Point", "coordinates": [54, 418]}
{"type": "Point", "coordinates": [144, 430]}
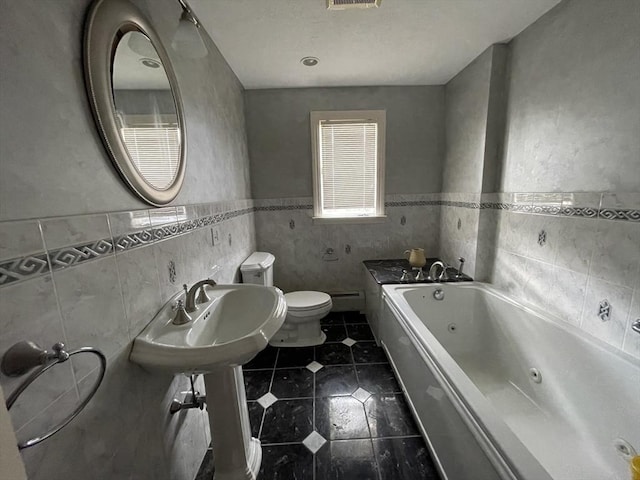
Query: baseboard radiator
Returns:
{"type": "Point", "coordinates": [347, 301]}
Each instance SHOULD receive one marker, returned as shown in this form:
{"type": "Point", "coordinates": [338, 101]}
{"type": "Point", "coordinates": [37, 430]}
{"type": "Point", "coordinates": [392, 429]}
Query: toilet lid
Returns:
{"type": "Point", "coordinates": [306, 300]}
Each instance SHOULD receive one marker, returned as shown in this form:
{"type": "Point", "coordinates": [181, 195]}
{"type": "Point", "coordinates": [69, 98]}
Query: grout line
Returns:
{"type": "Point", "coordinates": [74, 378]}
{"type": "Point", "coordinates": [375, 459]}
{"type": "Point", "coordinates": [273, 371]}
{"type": "Point", "coordinates": [281, 444]}
{"type": "Point", "coordinates": [125, 311]}
{"type": "Point", "coordinates": [313, 403]}
{"type": "Point", "coordinates": [264, 410]}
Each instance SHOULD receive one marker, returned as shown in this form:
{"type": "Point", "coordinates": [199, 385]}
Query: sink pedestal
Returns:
{"type": "Point", "coordinates": [236, 455]}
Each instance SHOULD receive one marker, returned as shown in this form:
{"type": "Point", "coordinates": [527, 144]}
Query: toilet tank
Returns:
{"type": "Point", "coordinates": [258, 269]}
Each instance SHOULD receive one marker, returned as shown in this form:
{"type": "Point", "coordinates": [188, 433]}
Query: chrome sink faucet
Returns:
{"type": "Point", "coordinates": [191, 294]}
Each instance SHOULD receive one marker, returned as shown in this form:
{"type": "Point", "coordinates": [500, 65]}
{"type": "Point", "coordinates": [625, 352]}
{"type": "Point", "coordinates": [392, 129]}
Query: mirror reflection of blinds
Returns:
{"type": "Point", "coordinates": [348, 168]}
{"type": "Point", "coordinates": [155, 152]}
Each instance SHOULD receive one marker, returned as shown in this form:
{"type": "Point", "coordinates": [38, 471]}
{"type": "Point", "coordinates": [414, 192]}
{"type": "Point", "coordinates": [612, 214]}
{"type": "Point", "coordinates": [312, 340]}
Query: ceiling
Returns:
{"type": "Point", "coordinates": [129, 71]}
{"type": "Point", "coordinates": [404, 42]}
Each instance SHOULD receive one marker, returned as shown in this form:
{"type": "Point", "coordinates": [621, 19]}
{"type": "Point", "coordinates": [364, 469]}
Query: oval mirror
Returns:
{"type": "Point", "coordinates": [135, 100]}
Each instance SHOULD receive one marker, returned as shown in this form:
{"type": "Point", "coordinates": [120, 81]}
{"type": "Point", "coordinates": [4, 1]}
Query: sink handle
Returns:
{"type": "Point", "coordinates": [182, 316]}
{"type": "Point", "coordinates": [202, 296]}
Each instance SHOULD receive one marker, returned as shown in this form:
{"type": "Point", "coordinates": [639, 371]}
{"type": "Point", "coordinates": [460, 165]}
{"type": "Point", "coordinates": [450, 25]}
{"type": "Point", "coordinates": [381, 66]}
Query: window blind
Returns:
{"type": "Point", "coordinates": [348, 168]}
{"type": "Point", "coordinates": [155, 151]}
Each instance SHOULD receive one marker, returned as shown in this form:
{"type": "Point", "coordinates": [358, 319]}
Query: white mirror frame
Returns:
{"type": "Point", "coordinates": [106, 23]}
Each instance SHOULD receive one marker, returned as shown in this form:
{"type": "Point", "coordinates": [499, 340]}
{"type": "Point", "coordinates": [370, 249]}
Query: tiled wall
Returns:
{"type": "Point", "coordinates": [562, 117]}
{"type": "Point", "coordinates": [97, 280]}
{"type": "Point", "coordinates": [459, 223]}
{"type": "Point", "coordinates": [301, 260]}
{"type": "Point", "coordinates": [70, 272]}
{"type": "Point", "coordinates": [279, 144]}
{"type": "Point", "coordinates": [565, 253]}
{"type": "Point", "coordinates": [474, 117]}
{"type": "Point", "coordinates": [568, 252]}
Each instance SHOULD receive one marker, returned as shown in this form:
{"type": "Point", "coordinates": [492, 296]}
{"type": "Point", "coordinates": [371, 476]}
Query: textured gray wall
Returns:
{"type": "Point", "coordinates": [557, 110]}
{"type": "Point", "coordinates": [574, 100]}
{"type": "Point", "coordinates": [51, 158]}
{"type": "Point", "coordinates": [573, 125]}
{"type": "Point", "coordinates": [280, 145]}
{"type": "Point", "coordinates": [467, 101]}
{"type": "Point", "coordinates": [52, 163]}
{"type": "Point", "coordinates": [474, 133]}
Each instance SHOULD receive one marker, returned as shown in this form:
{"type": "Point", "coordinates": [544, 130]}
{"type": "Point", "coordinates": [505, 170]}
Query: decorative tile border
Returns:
{"type": "Point", "coordinates": [277, 208]}
{"type": "Point", "coordinates": [531, 207]}
{"type": "Point", "coordinates": [552, 204]}
{"type": "Point", "coordinates": [584, 212]}
{"type": "Point", "coordinates": [133, 240]}
{"type": "Point", "coordinates": [30, 266]}
{"type": "Point", "coordinates": [70, 256]}
{"type": "Point", "coordinates": [36, 264]}
{"type": "Point", "coordinates": [413, 203]}
{"type": "Point", "coordinates": [450, 203]}
{"type": "Point", "coordinates": [612, 214]}
{"type": "Point", "coordinates": [23, 268]}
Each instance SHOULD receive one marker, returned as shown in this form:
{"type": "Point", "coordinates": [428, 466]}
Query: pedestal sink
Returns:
{"type": "Point", "coordinates": [225, 333]}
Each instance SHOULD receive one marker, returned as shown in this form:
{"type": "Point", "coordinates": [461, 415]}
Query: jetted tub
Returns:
{"type": "Point", "coordinates": [503, 392]}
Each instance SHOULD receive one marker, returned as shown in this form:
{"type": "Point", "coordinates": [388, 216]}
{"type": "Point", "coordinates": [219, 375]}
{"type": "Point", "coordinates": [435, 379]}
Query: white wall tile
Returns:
{"type": "Point", "coordinates": [66, 231]}
{"type": "Point", "coordinates": [574, 243]}
{"type": "Point", "coordinates": [616, 254]}
{"type": "Point", "coordinates": [566, 294]}
{"type": "Point", "coordinates": [92, 309]}
{"type": "Point", "coordinates": [613, 330]}
{"type": "Point", "coordinates": [631, 342]}
{"type": "Point", "coordinates": [140, 287]}
{"type": "Point", "coordinates": [20, 238]}
{"type": "Point", "coordinates": [30, 313]}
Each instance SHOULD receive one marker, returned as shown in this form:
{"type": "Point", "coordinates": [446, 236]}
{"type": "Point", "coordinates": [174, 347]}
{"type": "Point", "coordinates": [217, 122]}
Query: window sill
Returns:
{"type": "Point", "coordinates": [334, 220]}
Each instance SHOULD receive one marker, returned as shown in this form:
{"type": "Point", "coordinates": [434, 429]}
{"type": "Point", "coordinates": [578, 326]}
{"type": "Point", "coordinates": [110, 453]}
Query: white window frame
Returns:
{"type": "Point", "coordinates": [377, 116]}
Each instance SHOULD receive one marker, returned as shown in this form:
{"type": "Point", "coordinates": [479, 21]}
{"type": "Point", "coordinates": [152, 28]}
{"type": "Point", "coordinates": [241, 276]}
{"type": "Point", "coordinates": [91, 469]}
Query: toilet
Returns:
{"type": "Point", "coordinates": [305, 309]}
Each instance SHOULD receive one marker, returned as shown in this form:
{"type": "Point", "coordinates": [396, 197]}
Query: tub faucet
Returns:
{"type": "Point", "coordinates": [443, 273]}
{"type": "Point", "coordinates": [191, 294]}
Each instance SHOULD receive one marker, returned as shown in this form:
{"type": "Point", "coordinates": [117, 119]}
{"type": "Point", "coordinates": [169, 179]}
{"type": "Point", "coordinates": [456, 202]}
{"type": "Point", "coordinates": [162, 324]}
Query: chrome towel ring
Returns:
{"type": "Point", "coordinates": [24, 356]}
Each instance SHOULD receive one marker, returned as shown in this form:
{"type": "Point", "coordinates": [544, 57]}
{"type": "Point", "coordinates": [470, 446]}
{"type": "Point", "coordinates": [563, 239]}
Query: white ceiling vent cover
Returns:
{"type": "Point", "coordinates": [349, 4]}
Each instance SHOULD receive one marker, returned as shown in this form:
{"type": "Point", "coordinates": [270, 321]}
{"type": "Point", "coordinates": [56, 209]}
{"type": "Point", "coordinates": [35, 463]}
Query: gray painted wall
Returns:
{"type": "Point", "coordinates": [281, 168]}
{"type": "Point", "coordinates": [51, 158]}
{"type": "Point", "coordinates": [571, 125]}
{"type": "Point", "coordinates": [475, 109]}
{"type": "Point", "coordinates": [53, 163]}
{"type": "Point", "coordinates": [574, 101]}
{"type": "Point", "coordinates": [280, 145]}
{"type": "Point", "coordinates": [467, 103]}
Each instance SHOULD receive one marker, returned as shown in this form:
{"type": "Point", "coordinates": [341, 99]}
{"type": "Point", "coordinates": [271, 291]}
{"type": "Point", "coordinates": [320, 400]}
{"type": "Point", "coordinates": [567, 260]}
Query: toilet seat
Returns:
{"type": "Point", "coordinates": [306, 301]}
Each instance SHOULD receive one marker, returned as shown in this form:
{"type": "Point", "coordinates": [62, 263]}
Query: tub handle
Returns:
{"type": "Point", "coordinates": [635, 326]}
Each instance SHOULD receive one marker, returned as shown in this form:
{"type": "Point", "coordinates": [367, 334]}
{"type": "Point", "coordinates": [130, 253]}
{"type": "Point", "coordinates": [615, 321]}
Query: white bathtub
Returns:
{"type": "Point", "coordinates": [465, 363]}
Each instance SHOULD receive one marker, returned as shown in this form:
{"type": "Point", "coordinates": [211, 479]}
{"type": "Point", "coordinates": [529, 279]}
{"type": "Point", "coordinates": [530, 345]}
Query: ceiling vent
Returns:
{"type": "Point", "coordinates": [349, 4]}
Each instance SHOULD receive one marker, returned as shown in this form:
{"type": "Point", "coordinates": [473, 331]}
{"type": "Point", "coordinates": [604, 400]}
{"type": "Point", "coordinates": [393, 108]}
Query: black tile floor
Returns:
{"type": "Point", "coordinates": [332, 412]}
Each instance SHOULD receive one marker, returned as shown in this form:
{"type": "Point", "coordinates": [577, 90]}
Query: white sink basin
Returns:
{"type": "Point", "coordinates": [227, 331]}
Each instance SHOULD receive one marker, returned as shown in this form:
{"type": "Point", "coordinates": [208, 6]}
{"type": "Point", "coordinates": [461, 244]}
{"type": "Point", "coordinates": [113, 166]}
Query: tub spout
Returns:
{"type": "Point", "coordinates": [443, 273]}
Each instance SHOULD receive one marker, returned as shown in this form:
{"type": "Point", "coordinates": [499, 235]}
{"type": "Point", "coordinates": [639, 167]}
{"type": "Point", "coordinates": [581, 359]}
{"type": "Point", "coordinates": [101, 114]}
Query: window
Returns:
{"type": "Point", "coordinates": [348, 164]}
